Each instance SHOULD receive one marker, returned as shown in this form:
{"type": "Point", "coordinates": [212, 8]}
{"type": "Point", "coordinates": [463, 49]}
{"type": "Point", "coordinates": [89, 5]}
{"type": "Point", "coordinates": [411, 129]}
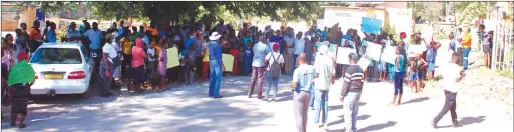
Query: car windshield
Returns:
{"type": "Point", "coordinates": [57, 56]}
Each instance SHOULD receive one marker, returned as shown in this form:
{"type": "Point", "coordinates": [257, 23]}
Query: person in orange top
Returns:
{"type": "Point", "coordinates": [35, 36]}
{"type": "Point", "coordinates": [466, 47]}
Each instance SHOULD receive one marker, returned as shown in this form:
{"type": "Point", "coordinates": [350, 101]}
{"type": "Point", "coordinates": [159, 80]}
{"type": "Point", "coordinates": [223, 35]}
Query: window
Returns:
{"type": "Point", "coordinates": [57, 56]}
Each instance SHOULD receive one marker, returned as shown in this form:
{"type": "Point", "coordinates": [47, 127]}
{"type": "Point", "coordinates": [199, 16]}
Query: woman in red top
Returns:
{"type": "Point", "coordinates": [235, 52]}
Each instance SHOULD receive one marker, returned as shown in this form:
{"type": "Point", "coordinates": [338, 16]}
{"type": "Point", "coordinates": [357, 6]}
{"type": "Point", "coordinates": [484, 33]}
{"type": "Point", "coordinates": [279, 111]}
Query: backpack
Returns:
{"type": "Point", "coordinates": [275, 66]}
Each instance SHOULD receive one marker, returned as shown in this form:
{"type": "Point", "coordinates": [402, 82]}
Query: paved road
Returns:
{"type": "Point", "coordinates": [187, 109]}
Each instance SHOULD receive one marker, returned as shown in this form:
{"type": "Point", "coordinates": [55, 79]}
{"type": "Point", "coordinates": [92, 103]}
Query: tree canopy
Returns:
{"type": "Point", "coordinates": [186, 11]}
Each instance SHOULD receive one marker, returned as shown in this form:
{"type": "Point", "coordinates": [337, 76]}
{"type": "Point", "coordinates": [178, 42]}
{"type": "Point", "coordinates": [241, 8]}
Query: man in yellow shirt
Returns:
{"type": "Point", "coordinates": [466, 47]}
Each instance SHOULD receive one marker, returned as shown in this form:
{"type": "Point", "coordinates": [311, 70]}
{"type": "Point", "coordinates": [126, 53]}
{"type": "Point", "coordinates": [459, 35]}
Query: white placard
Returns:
{"type": "Point", "coordinates": [389, 54]}
{"type": "Point", "coordinates": [363, 63]}
{"type": "Point", "coordinates": [342, 55]}
{"type": "Point", "coordinates": [374, 51]}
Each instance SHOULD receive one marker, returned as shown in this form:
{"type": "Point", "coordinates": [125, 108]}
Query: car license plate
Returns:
{"type": "Point", "coordinates": [53, 76]}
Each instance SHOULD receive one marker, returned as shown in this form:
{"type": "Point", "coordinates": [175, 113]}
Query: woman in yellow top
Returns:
{"type": "Point", "coordinates": [205, 70]}
{"type": "Point", "coordinates": [466, 47]}
{"type": "Point", "coordinates": [126, 50]}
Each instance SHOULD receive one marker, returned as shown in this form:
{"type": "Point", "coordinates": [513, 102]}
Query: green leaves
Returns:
{"type": "Point", "coordinates": [190, 10]}
{"type": "Point", "coordinates": [475, 10]}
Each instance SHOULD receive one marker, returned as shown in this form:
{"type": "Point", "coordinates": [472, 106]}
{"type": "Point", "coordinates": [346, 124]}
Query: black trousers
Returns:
{"type": "Point", "coordinates": [450, 104]}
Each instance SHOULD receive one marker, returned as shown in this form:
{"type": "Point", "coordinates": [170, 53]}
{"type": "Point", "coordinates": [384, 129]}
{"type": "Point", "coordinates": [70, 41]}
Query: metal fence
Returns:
{"type": "Point", "coordinates": [503, 45]}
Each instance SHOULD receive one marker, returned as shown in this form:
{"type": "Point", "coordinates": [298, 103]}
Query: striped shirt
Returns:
{"type": "Point", "coordinates": [353, 80]}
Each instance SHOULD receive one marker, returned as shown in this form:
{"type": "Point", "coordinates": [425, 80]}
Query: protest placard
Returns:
{"type": "Point", "coordinates": [371, 25]}
{"type": "Point", "coordinates": [363, 63]}
{"type": "Point", "coordinates": [415, 49]}
{"type": "Point", "coordinates": [389, 54]}
{"type": "Point", "coordinates": [342, 55]}
{"type": "Point", "coordinates": [172, 54]}
{"type": "Point", "coordinates": [228, 62]}
{"type": "Point", "coordinates": [374, 50]}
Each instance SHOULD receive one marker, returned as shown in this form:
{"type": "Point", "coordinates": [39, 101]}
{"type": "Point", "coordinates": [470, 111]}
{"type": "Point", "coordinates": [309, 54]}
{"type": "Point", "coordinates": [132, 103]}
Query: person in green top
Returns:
{"type": "Point", "coordinates": [21, 77]}
{"type": "Point", "coordinates": [398, 75]}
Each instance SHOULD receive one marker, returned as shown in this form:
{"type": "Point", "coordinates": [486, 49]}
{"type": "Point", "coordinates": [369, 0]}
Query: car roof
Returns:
{"type": "Point", "coordinates": [61, 45]}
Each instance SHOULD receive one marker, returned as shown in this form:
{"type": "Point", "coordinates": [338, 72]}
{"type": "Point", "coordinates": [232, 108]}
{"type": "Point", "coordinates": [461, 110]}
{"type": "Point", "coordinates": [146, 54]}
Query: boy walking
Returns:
{"type": "Point", "coordinates": [452, 76]}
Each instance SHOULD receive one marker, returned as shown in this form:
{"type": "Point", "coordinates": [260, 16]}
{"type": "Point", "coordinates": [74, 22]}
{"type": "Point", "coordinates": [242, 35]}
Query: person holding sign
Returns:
{"type": "Point", "coordinates": [398, 75]}
{"type": "Point", "coordinates": [369, 70]}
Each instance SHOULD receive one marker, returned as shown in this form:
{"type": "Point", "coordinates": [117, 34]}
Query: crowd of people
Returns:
{"type": "Point", "coordinates": [138, 58]}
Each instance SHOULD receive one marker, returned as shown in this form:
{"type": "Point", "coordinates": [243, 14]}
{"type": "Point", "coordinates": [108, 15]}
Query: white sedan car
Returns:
{"type": "Point", "coordinates": [61, 68]}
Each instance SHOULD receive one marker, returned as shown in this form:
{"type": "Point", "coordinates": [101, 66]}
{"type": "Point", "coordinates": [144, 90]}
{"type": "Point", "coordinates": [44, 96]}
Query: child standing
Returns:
{"type": "Point", "coordinates": [162, 66]}
{"type": "Point", "coordinates": [369, 70]}
{"type": "Point", "coordinates": [205, 70]}
{"type": "Point", "coordinates": [152, 69]}
{"type": "Point", "coordinates": [241, 60]}
{"type": "Point", "coordinates": [415, 73]}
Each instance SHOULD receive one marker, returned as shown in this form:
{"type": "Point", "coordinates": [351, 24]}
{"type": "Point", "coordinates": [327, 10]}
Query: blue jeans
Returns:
{"type": "Point", "coordinates": [391, 71]}
{"type": "Point", "coordinates": [271, 80]}
{"type": "Point", "coordinates": [351, 105]}
{"type": "Point", "coordinates": [311, 102]}
{"type": "Point", "coordinates": [321, 102]}
{"type": "Point", "coordinates": [398, 83]}
{"type": "Point", "coordinates": [465, 54]}
{"type": "Point", "coordinates": [215, 78]}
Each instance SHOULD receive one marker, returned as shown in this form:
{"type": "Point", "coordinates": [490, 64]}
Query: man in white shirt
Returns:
{"type": "Point", "coordinates": [271, 58]}
{"type": "Point", "coordinates": [452, 77]}
{"type": "Point", "coordinates": [299, 44]}
{"type": "Point", "coordinates": [289, 39]}
{"type": "Point", "coordinates": [260, 50]}
{"type": "Point", "coordinates": [325, 74]}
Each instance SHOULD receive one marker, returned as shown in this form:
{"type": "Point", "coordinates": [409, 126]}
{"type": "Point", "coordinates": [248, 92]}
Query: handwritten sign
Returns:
{"type": "Point", "coordinates": [228, 62]}
{"type": "Point", "coordinates": [389, 54]}
{"type": "Point", "coordinates": [172, 57]}
{"type": "Point", "coordinates": [371, 25]}
{"type": "Point", "coordinates": [374, 51]}
{"type": "Point", "coordinates": [342, 55]}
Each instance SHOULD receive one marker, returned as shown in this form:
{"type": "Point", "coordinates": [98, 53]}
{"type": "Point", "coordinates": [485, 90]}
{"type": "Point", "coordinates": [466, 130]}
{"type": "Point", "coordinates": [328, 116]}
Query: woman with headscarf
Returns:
{"type": "Point", "coordinates": [21, 77]}
{"type": "Point", "coordinates": [108, 64]}
{"type": "Point", "coordinates": [137, 64]}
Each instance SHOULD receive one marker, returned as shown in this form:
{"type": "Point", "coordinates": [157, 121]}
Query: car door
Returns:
{"type": "Point", "coordinates": [89, 62]}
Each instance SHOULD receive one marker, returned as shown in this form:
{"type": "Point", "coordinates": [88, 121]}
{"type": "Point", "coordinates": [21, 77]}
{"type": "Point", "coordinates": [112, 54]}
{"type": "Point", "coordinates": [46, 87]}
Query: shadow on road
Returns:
{"type": "Point", "coordinates": [468, 121]}
{"type": "Point", "coordinates": [378, 126]}
{"type": "Point", "coordinates": [341, 120]}
{"type": "Point", "coordinates": [417, 100]}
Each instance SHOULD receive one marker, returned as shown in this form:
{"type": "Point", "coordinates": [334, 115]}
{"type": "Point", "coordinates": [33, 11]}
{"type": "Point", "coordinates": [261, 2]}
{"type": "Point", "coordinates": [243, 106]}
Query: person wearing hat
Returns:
{"type": "Point", "coordinates": [21, 77]}
{"type": "Point", "coordinates": [216, 65]}
{"type": "Point", "coordinates": [107, 66]}
{"type": "Point", "coordinates": [72, 34]}
{"type": "Point", "coordinates": [272, 60]}
{"type": "Point", "coordinates": [324, 78]}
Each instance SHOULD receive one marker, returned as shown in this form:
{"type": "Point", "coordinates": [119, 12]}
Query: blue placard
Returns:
{"type": "Point", "coordinates": [40, 15]}
{"type": "Point", "coordinates": [371, 25]}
